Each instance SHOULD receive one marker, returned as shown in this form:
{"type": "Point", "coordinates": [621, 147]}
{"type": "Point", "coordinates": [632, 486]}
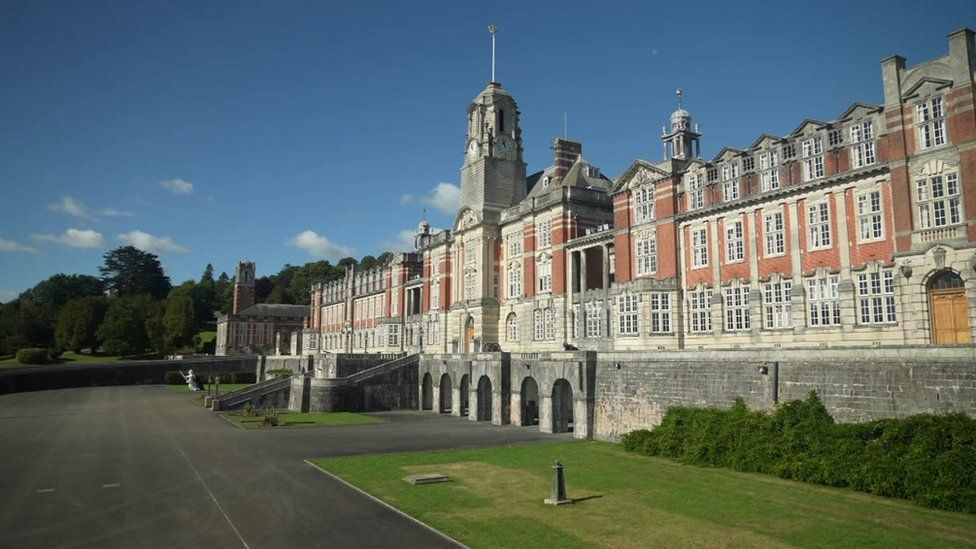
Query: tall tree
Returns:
{"type": "Point", "coordinates": [52, 294]}
{"type": "Point", "coordinates": [78, 323]}
{"type": "Point", "coordinates": [207, 274]}
{"type": "Point", "coordinates": [123, 332]}
{"type": "Point", "coordinates": [179, 321]}
{"type": "Point", "coordinates": [130, 271]}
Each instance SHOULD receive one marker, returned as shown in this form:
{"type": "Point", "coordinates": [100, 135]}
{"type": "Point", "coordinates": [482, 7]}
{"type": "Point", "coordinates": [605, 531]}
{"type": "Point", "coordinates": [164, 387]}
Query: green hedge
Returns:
{"type": "Point", "coordinates": [242, 377]}
{"type": "Point", "coordinates": [926, 458]}
{"type": "Point", "coordinates": [174, 378]}
{"type": "Point", "coordinates": [280, 372]}
{"type": "Point", "coordinates": [33, 356]}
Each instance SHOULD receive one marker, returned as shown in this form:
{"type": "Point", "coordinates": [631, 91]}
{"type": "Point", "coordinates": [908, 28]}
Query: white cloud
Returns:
{"type": "Point", "coordinates": [319, 246]}
{"type": "Point", "coordinates": [178, 186]}
{"type": "Point", "coordinates": [7, 295]}
{"type": "Point", "coordinates": [74, 207]}
{"type": "Point", "coordinates": [151, 243]}
{"type": "Point", "coordinates": [13, 247]}
{"type": "Point", "coordinates": [446, 197]}
{"type": "Point", "coordinates": [406, 199]}
{"type": "Point", "coordinates": [74, 238]}
{"type": "Point", "coordinates": [404, 242]}
{"type": "Point", "coordinates": [654, 51]}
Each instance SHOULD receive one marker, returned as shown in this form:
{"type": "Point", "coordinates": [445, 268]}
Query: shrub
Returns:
{"type": "Point", "coordinates": [926, 458]}
{"type": "Point", "coordinates": [174, 378]}
{"type": "Point", "coordinates": [280, 372]}
{"type": "Point", "coordinates": [242, 377]}
{"type": "Point", "coordinates": [32, 356]}
{"type": "Point", "coordinates": [54, 354]}
{"type": "Point", "coordinates": [270, 418]}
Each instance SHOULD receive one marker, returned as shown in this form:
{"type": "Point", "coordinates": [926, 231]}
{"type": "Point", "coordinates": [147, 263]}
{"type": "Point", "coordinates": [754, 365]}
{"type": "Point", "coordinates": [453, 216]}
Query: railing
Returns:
{"type": "Point", "coordinates": [241, 395]}
{"type": "Point", "coordinates": [941, 233]}
{"type": "Point", "coordinates": [384, 368]}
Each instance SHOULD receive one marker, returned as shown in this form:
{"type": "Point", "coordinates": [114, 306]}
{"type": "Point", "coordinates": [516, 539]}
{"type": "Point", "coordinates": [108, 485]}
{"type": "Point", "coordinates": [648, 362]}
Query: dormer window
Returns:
{"type": "Point", "coordinates": [930, 121]}
{"type": "Point", "coordinates": [835, 138]}
{"type": "Point", "coordinates": [789, 151]}
{"type": "Point", "coordinates": [696, 192]}
{"type": "Point", "coordinates": [644, 204]}
{"type": "Point", "coordinates": [769, 164]}
{"type": "Point", "coordinates": [748, 164]}
{"type": "Point", "coordinates": [545, 181]}
{"type": "Point", "coordinates": [862, 144]}
{"type": "Point", "coordinates": [813, 161]}
{"type": "Point", "coordinates": [730, 181]}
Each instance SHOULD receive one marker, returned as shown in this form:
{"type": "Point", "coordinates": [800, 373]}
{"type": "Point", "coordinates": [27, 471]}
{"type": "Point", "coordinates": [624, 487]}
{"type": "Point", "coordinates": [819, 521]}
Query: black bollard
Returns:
{"type": "Point", "coordinates": [558, 495]}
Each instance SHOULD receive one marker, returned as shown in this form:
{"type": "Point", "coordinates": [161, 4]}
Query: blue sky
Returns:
{"type": "Point", "coordinates": [287, 131]}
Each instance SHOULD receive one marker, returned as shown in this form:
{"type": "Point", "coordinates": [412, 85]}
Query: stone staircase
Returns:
{"type": "Point", "coordinates": [385, 368]}
{"type": "Point", "coordinates": [271, 393]}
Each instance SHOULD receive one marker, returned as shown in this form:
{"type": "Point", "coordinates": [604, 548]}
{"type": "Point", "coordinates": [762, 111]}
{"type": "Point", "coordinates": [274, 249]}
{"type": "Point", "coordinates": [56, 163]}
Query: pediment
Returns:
{"type": "Point", "coordinates": [765, 141]}
{"type": "Point", "coordinates": [466, 219]}
{"type": "Point", "coordinates": [726, 154]}
{"type": "Point", "coordinates": [858, 110]}
{"type": "Point", "coordinates": [640, 173]}
{"type": "Point", "coordinates": [806, 126]}
{"type": "Point", "coordinates": [927, 86]}
{"type": "Point", "coordinates": [935, 166]}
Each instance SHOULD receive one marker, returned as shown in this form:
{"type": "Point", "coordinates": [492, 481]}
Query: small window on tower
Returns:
{"type": "Point", "coordinates": [501, 120]}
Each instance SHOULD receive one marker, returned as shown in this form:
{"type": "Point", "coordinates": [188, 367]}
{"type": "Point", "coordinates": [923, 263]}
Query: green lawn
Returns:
{"type": "Point", "coordinates": [70, 357]}
{"type": "Point", "coordinates": [628, 500]}
{"type": "Point", "coordinates": [296, 419]}
{"type": "Point", "coordinates": [207, 337]}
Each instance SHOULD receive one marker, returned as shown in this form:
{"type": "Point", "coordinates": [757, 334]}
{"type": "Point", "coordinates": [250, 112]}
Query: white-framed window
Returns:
{"type": "Point", "coordinates": [470, 252]}
{"type": "Point", "coordinates": [549, 315]}
{"type": "Point", "coordinates": [769, 166]}
{"type": "Point", "coordinates": [823, 301]}
{"type": "Point", "coordinates": [730, 181]}
{"type": "Point", "coordinates": [696, 192]}
{"type": "Point", "coordinates": [644, 204]}
{"type": "Point", "coordinates": [778, 305]}
{"type": "Point", "coordinates": [699, 247]}
{"type": "Point", "coordinates": [514, 328]}
{"type": "Point", "coordinates": [813, 161]}
{"type": "Point", "coordinates": [876, 297]}
{"type": "Point", "coordinates": [627, 315]}
{"type": "Point", "coordinates": [660, 312]}
{"type": "Point", "coordinates": [735, 250]}
{"type": "Point", "coordinates": [938, 201]}
{"type": "Point", "coordinates": [594, 319]}
{"type": "Point", "coordinates": [737, 308]}
{"type": "Point", "coordinates": [646, 256]}
{"type": "Point", "coordinates": [862, 144]}
{"type": "Point", "coordinates": [931, 124]}
{"type": "Point", "coordinates": [870, 223]}
{"type": "Point", "coordinates": [394, 299]}
{"type": "Point", "coordinates": [470, 283]}
{"type": "Point", "coordinates": [576, 320]}
{"type": "Point", "coordinates": [538, 325]}
{"type": "Point", "coordinates": [544, 233]}
{"type": "Point", "coordinates": [773, 233]}
{"type": "Point", "coordinates": [700, 310]}
{"type": "Point", "coordinates": [514, 245]}
{"type": "Point", "coordinates": [435, 294]}
{"type": "Point", "coordinates": [818, 225]}
{"type": "Point", "coordinates": [514, 276]}
{"type": "Point", "coordinates": [544, 275]}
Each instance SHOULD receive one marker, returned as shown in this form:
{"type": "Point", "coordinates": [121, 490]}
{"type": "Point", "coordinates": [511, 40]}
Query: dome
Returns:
{"type": "Point", "coordinates": [679, 114]}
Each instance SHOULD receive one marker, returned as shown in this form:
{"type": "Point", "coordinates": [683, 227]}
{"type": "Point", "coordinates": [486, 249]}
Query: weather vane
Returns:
{"type": "Point", "coordinates": [679, 92]}
{"type": "Point", "coordinates": [492, 29]}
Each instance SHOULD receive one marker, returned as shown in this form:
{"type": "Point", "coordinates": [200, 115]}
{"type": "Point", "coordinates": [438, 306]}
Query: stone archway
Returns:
{"type": "Point", "coordinates": [446, 400]}
{"type": "Point", "coordinates": [463, 397]}
{"type": "Point", "coordinates": [427, 393]}
{"type": "Point", "coordinates": [562, 407]}
{"type": "Point", "coordinates": [484, 399]}
{"type": "Point", "coordinates": [530, 402]}
{"type": "Point", "coordinates": [948, 309]}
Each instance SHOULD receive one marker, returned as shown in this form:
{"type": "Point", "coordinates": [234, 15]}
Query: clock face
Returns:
{"type": "Point", "coordinates": [506, 148]}
{"type": "Point", "coordinates": [473, 149]}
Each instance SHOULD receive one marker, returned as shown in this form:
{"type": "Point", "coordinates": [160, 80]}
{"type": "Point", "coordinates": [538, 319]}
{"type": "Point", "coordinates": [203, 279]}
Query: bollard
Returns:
{"type": "Point", "coordinates": [558, 495]}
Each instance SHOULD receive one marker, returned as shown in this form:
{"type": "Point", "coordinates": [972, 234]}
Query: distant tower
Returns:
{"type": "Point", "coordinates": [421, 238]}
{"type": "Point", "coordinates": [681, 142]}
{"type": "Point", "coordinates": [243, 286]}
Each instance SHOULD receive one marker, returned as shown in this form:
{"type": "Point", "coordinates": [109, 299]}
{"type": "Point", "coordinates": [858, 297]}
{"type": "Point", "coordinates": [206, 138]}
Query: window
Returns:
{"type": "Point", "coordinates": [823, 301]}
{"type": "Point", "coordinates": [737, 308]}
{"type": "Point", "coordinates": [594, 319]}
{"type": "Point", "coordinates": [550, 323]}
{"type": "Point", "coordinates": [545, 233]}
{"type": "Point", "coordinates": [514, 280]}
{"type": "Point", "coordinates": [818, 225]}
{"type": "Point", "coordinates": [470, 283]}
{"type": "Point", "coordinates": [696, 192]}
{"type": "Point", "coordinates": [730, 181]}
{"type": "Point", "coordinates": [930, 121]}
{"type": "Point", "coordinates": [646, 256]}
{"type": "Point", "coordinates": [627, 314]}
{"type": "Point", "coordinates": [393, 335]}
{"type": "Point", "coordinates": [435, 294]}
{"type": "Point", "coordinates": [862, 144]}
{"type": "Point", "coordinates": [938, 201]}
{"type": "Point", "coordinates": [575, 320]}
{"type": "Point", "coordinates": [789, 151]}
{"type": "Point", "coordinates": [778, 305]}
{"type": "Point", "coordinates": [538, 325]}
{"type": "Point", "coordinates": [699, 248]}
{"type": "Point", "coordinates": [734, 247]}
{"type": "Point", "coordinates": [514, 245]}
{"type": "Point", "coordinates": [700, 308]}
{"type": "Point", "coordinates": [394, 298]}
{"type": "Point", "coordinates": [870, 225]}
{"type": "Point", "coordinates": [876, 298]}
{"type": "Point", "coordinates": [748, 164]}
{"type": "Point", "coordinates": [835, 138]}
{"type": "Point", "coordinates": [470, 252]}
{"type": "Point", "coordinates": [545, 275]}
{"type": "Point", "coordinates": [712, 174]}
{"type": "Point", "coordinates": [773, 232]}
{"type": "Point", "coordinates": [514, 330]}
{"type": "Point", "coordinates": [660, 313]}
{"type": "Point", "coordinates": [813, 161]}
{"type": "Point", "coordinates": [769, 164]}
{"type": "Point", "coordinates": [644, 204]}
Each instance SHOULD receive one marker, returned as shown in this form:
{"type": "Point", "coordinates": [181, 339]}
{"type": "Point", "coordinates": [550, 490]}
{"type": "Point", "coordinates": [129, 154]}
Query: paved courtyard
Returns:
{"type": "Point", "coordinates": [143, 466]}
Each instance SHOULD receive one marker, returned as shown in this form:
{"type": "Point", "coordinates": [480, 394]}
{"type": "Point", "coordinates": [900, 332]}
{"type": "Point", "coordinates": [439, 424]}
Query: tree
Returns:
{"type": "Point", "coordinates": [179, 322]}
{"type": "Point", "coordinates": [123, 332]}
{"type": "Point", "coordinates": [78, 323]}
{"type": "Point", "coordinates": [129, 271]}
{"type": "Point", "coordinates": [55, 292]}
{"type": "Point", "coordinates": [25, 324]}
{"type": "Point", "coordinates": [207, 274]}
{"type": "Point", "coordinates": [204, 297]}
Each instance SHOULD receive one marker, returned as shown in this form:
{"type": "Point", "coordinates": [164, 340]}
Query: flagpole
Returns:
{"type": "Point", "coordinates": [492, 29]}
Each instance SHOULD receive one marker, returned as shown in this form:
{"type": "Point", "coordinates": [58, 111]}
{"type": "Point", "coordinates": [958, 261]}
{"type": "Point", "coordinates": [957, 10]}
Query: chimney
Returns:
{"type": "Point", "coordinates": [566, 153]}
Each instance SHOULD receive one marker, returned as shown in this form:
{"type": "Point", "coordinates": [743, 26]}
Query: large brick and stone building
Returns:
{"type": "Point", "coordinates": [262, 328]}
{"type": "Point", "coordinates": [568, 294]}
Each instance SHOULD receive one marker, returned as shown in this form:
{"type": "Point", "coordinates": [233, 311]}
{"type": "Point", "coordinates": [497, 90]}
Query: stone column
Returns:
{"type": "Point", "coordinates": [496, 408]}
{"type": "Point", "coordinates": [516, 413]}
{"type": "Point", "coordinates": [473, 402]}
{"type": "Point", "coordinates": [606, 266]}
{"type": "Point", "coordinates": [436, 404]}
{"type": "Point", "coordinates": [545, 413]}
{"type": "Point", "coordinates": [456, 401]}
{"type": "Point", "coordinates": [582, 277]}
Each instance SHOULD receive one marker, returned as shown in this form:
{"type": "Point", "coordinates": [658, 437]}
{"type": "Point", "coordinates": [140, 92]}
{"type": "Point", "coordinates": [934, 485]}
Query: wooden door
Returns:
{"type": "Point", "coordinates": [469, 338]}
{"type": "Point", "coordinates": [950, 316]}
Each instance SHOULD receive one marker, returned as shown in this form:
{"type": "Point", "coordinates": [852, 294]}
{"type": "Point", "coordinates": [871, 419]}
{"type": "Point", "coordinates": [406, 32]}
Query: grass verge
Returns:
{"type": "Point", "coordinates": [627, 500]}
{"type": "Point", "coordinates": [70, 357]}
{"type": "Point", "coordinates": [297, 419]}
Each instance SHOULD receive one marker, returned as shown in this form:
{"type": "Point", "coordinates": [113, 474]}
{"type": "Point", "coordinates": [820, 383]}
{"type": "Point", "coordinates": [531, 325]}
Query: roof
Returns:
{"type": "Point", "coordinates": [275, 309]}
{"type": "Point", "coordinates": [579, 177]}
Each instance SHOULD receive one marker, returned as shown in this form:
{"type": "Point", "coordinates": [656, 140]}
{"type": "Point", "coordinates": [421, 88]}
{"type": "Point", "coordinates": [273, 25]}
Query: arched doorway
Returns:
{"type": "Point", "coordinates": [948, 309]}
{"type": "Point", "coordinates": [469, 335]}
{"type": "Point", "coordinates": [464, 395]}
{"type": "Point", "coordinates": [484, 399]}
{"type": "Point", "coordinates": [447, 396]}
{"type": "Point", "coordinates": [530, 402]}
{"type": "Point", "coordinates": [427, 393]}
{"type": "Point", "coordinates": [562, 407]}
